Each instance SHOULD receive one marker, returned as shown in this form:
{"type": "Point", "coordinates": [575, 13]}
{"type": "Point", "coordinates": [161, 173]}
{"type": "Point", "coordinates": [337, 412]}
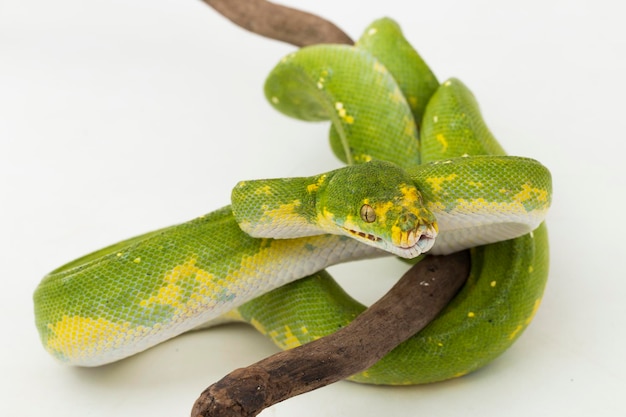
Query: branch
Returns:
{"type": "Point", "coordinates": [406, 309]}
{"type": "Point", "coordinates": [279, 22]}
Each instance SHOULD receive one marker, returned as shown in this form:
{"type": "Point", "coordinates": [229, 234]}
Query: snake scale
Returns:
{"type": "Point", "coordinates": [424, 174]}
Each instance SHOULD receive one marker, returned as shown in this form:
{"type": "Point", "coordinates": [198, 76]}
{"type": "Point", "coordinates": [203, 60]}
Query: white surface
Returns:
{"type": "Point", "coordinates": [119, 117]}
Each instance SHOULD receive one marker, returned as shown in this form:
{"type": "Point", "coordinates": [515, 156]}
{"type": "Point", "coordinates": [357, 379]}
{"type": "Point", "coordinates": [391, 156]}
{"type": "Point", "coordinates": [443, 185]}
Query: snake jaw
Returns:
{"type": "Point", "coordinates": [363, 235]}
{"type": "Point", "coordinates": [404, 244]}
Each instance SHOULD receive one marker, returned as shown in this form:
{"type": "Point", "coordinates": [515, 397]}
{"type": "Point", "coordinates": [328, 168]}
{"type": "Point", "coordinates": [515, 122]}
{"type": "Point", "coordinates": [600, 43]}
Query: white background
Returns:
{"type": "Point", "coordinates": [118, 117]}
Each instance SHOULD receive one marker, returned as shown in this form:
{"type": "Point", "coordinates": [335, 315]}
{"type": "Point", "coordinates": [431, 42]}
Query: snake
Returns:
{"type": "Point", "coordinates": [423, 175]}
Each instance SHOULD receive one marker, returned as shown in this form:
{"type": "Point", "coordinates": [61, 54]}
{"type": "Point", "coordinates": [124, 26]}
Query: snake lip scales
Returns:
{"type": "Point", "coordinates": [408, 245]}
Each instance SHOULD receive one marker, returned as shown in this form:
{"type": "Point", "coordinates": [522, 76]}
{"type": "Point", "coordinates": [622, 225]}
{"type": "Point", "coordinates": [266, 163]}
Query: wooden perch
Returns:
{"type": "Point", "coordinates": [279, 22]}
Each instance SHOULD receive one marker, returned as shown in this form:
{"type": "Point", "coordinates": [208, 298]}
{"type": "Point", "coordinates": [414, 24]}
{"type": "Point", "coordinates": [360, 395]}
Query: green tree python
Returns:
{"type": "Point", "coordinates": [423, 175]}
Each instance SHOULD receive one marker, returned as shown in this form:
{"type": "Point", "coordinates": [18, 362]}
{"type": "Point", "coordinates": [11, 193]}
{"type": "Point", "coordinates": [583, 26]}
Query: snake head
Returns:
{"type": "Point", "coordinates": [378, 204]}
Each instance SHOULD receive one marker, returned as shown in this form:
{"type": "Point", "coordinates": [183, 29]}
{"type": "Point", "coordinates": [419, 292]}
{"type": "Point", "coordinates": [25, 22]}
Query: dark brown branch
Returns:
{"type": "Point", "coordinates": [279, 22]}
{"type": "Point", "coordinates": [406, 309]}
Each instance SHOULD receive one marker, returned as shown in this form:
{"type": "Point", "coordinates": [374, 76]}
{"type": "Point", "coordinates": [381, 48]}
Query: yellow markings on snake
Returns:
{"type": "Point", "coordinates": [286, 339]}
{"type": "Point", "coordinates": [321, 80]}
{"type": "Point", "coordinates": [534, 312]}
{"type": "Point", "coordinates": [398, 237]}
{"type": "Point", "coordinates": [258, 265]}
{"type": "Point", "coordinates": [436, 342]}
{"type": "Point", "coordinates": [311, 188]}
{"type": "Point", "coordinates": [436, 207]}
{"type": "Point", "coordinates": [442, 140]}
{"type": "Point", "coordinates": [274, 336]}
{"type": "Point", "coordinates": [527, 321]}
{"type": "Point", "coordinates": [378, 67]}
{"type": "Point", "coordinates": [528, 193]}
{"type": "Point", "coordinates": [362, 158]}
{"type": "Point", "coordinates": [515, 332]}
{"type": "Point", "coordinates": [325, 217]}
{"type": "Point", "coordinates": [282, 211]}
{"type": "Point", "coordinates": [409, 193]}
{"type": "Point", "coordinates": [258, 326]}
{"type": "Point", "coordinates": [290, 341]}
{"type": "Point", "coordinates": [265, 190]}
{"type": "Point", "coordinates": [233, 315]}
{"type": "Point", "coordinates": [208, 286]}
{"type": "Point", "coordinates": [382, 209]}
{"type": "Point", "coordinates": [409, 126]}
{"type": "Point", "coordinates": [396, 96]}
{"type": "Point", "coordinates": [343, 114]}
{"type": "Point", "coordinates": [488, 207]}
{"type": "Point", "coordinates": [78, 336]}
{"type": "Point", "coordinates": [287, 57]}
{"type": "Point", "coordinates": [171, 294]}
{"type": "Point", "coordinates": [436, 183]}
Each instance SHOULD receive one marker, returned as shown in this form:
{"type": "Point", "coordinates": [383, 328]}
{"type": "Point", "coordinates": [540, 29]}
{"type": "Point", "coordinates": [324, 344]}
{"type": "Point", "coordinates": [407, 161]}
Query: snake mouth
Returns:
{"type": "Point", "coordinates": [415, 242]}
{"type": "Point", "coordinates": [408, 245]}
{"type": "Point", "coordinates": [363, 235]}
{"type": "Point", "coordinates": [422, 237]}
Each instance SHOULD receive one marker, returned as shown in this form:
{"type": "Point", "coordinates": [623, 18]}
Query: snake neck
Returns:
{"type": "Point", "coordinates": [282, 208]}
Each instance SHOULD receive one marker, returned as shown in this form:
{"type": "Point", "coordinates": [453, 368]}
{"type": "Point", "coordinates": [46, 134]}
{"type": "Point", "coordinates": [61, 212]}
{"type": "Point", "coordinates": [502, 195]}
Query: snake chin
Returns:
{"type": "Point", "coordinates": [415, 243]}
{"type": "Point", "coordinates": [422, 244]}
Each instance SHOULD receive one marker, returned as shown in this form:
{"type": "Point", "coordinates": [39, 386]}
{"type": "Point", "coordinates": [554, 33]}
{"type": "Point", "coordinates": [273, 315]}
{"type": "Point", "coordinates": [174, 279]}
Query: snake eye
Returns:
{"type": "Point", "coordinates": [367, 213]}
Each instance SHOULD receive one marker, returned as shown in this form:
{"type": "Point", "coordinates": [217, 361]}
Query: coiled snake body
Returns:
{"type": "Point", "coordinates": [261, 260]}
